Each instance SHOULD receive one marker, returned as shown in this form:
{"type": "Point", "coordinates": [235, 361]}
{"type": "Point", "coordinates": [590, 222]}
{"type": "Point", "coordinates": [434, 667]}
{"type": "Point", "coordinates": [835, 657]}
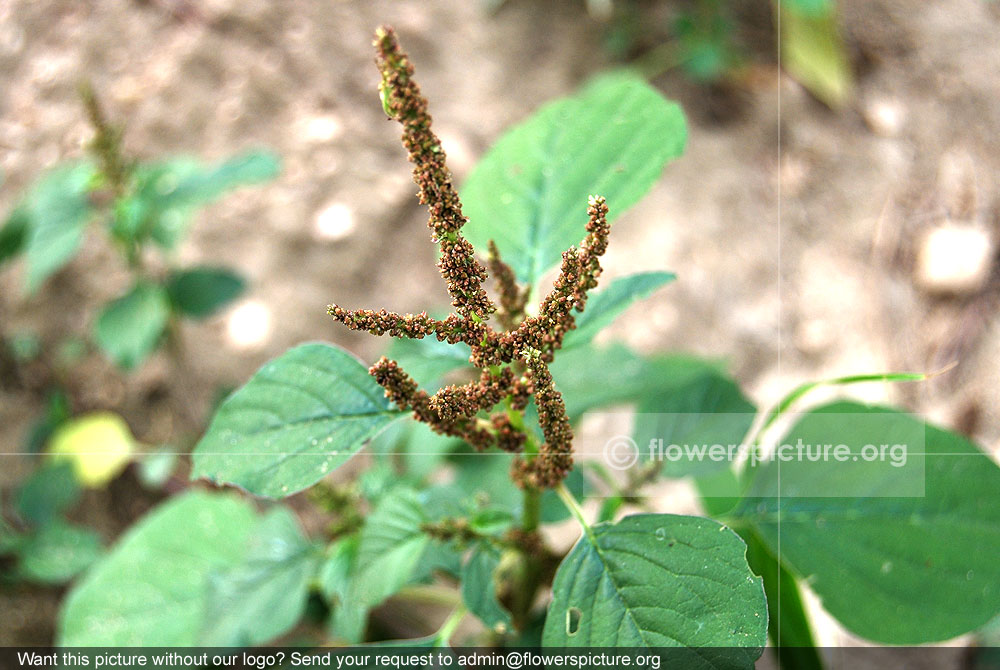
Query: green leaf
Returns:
{"type": "Point", "coordinates": [529, 193]}
{"type": "Point", "coordinates": [349, 618]}
{"type": "Point", "coordinates": [302, 415]}
{"type": "Point", "coordinates": [152, 589]}
{"type": "Point", "coordinates": [48, 492]}
{"type": "Point", "coordinates": [391, 547]}
{"type": "Point", "coordinates": [898, 570]}
{"type": "Point", "coordinates": [14, 234]}
{"type": "Point", "coordinates": [58, 208]}
{"type": "Point", "coordinates": [265, 595]}
{"type": "Point", "coordinates": [605, 305]}
{"type": "Point", "coordinates": [705, 44]}
{"type": "Point", "coordinates": [660, 580]}
{"type": "Point", "coordinates": [682, 423]}
{"type": "Point", "coordinates": [491, 521]}
{"type": "Point", "coordinates": [390, 551]}
{"type": "Point", "coordinates": [168, 193]}
{"type": "Point", "coordinates": [57, 552]}
{"type": "Point", "coordinates": [813, 52]}
{"type": "Point", "coordinates": [201, 292]}
{"type": "Point", "coordinates": [626, 376]}
{"type": "Point", "coordinates": [335, 573]}
{"type": "Point", "coordinates": [813, 8]}
{"type": "Point", "coordinates": [484, 478]}
{"type": "Point", "coordinates": [790, 631]}
{"type": "Point", "coordinates": [129, 328]}
{"type": "Point", "coordinates": [479, 590]}
{"type": "Point", "coordinates": [428, 361]}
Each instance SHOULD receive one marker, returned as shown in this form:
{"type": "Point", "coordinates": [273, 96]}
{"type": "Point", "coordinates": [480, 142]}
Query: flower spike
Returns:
{"type": "Point", "coordinates": [514, 361]}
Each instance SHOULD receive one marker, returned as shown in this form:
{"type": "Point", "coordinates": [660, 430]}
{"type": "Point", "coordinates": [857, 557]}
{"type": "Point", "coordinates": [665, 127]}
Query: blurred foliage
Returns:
{"type": "Point", "coordinates": [144, 209]}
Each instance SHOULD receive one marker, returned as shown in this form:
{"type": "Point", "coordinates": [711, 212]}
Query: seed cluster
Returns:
{"type": "Point", "coordinates": [514, 361]}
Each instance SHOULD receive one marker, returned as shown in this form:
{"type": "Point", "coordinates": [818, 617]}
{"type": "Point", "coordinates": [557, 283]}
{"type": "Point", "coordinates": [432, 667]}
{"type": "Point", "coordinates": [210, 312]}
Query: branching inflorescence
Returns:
{"type": "Point", "coordinates": [514, 361]}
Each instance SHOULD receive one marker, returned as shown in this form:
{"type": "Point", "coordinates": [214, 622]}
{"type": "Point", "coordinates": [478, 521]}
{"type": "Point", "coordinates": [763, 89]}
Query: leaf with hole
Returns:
{"type": "Point", "coordinates": [660, 580]}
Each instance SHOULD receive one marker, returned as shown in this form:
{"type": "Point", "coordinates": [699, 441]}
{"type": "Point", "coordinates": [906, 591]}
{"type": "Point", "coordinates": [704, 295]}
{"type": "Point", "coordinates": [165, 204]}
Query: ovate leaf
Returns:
{"type": "Point", "coordinates": [302, 415]}
{"type": "Point", "coordinates": [660, 580]}
{"type": "Point", "coordinates": [529, 193]}
{"type": "Point", "coordinates": [151, 590]}
{"type": "Point", "coordinates": [57, 552]}
{"type": "Point", "coordinates": [129, 328]}
{"type": "Point", "coordinates": [58, 209]}
{"type": "Point", "coordinates": [201, 292]}
{"type": "Point", "coordinates": [606, 304]}
{"type": "Point", "coordinates": [626, 376]}
{"type": "Point", "coordinates": [898, 570]}
{"type": "Point", "coordinates": [265, 595]}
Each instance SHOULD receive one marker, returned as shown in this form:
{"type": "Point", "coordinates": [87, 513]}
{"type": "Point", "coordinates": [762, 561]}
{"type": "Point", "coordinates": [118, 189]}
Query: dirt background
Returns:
{"type": "Point", "coordinates": [795, 231]}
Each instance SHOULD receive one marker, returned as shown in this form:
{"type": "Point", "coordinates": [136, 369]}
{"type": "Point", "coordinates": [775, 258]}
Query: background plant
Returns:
{"type": "Point", "coordinates": [307, 411]}
{"type": "Point", "coordinates": [704, 40]}
{"type": "Point", "coordinates": [144, 209]}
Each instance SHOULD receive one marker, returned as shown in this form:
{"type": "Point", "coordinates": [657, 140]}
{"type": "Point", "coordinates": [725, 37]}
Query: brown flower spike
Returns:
{"type": "Point", "coordinates": [514, 361]}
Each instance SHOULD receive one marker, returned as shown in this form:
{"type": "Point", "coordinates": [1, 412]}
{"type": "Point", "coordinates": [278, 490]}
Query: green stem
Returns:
{"type": "Point", "coordinates": [574, 507]}
{"type": "Point", "coordinates": [430, 594]}
{"type": "Point", "coordinates": [451, 623]}
{"type": "Point", "coordinates": [532, 510]}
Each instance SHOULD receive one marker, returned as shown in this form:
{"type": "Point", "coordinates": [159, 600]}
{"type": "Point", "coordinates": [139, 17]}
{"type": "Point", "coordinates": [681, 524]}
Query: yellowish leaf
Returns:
{"type": "Point", "coordinates": [99, 445]}
{"type": "Point", "coordinates": [812, 51]}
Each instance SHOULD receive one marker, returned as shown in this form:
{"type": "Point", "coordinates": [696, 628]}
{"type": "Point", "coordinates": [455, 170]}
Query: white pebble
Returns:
{"type": "Point", "coordinates": [321, 129]}
{"type": "Point", "coordinates": [954, 258]}
{"type": "Point", "coordinates": [885, 116]}
{"type": "Point", "coordinates": [334, 222]}
{"type": "Point", "coordinates": [249, 325]}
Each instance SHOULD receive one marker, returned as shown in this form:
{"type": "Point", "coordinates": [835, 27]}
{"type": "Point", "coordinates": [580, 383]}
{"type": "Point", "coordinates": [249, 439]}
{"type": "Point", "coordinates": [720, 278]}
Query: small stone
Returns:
{"type": "Point", "coordinates": [249, 325]}
{"type": "Point", "coordinates": [954, 258]}
{"type": "Point", "coordinates": [334, 222]}
{"type": "Point", "coordinates": [884, 116]}
{"type": "Point", "coordinates": [322, 128]}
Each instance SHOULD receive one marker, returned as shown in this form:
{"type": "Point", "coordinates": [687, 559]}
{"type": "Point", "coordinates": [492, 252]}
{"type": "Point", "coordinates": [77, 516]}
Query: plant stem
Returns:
{"type": "Point", "coordinates": [532, 510]}
{"type": "Point", "coordinates": [574, 508]}
{"type": "Point", "coordinates": [431, 594]}
{"type": "Point", "coordinates": [451, 623]}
